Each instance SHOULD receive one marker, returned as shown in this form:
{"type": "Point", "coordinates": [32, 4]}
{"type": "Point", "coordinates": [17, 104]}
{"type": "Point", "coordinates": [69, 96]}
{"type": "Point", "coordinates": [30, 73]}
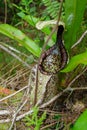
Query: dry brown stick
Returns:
{"type": "Point", "coordinates": [42, 106]}
{"type": "Point", "coordinates": [51, 112]}
{"type": "Point", "coordinates": [65, 90]}
{"type": "Point", "coordinates": [31, 111]}
{"type": "Point", "coordinates": [54, 29]}
{"type": "Point", "coordinates": [4, 67]}
{"type": "Point", "coordinates": [12, 77]}
{"type": "Point", "coordinates": [14, 116]}
{"type": "Point", "coordinates": [84, 70]}
{"type": "Point", "coordinates": [14, 55]}
{"type": "Point", "coordinates": [11, 95]}
{"type": "Point", "coordinates": [53, 99]}
{"type": "Point", "coordinates": [18, 117]}
{"type": "Point", "coordinates": [13, 49]}
{"type": "Point", "coordinates": [18, 110]}
{"type": "Point", "coordinates": [4, 112]}
{"type": "Point", "coordinates": [47, 126]}
{"type": "Point", "coordinates": [78, 88]}
{"type": "Point", "coordinates": [5, 20]}
{"type": "Point", "coordinates": [21, 105]}
{"type": "Point", "coordinates": [80, 39]}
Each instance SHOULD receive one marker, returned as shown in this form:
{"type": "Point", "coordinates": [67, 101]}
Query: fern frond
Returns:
{"type": "Point", "coordinates": [51, 7]}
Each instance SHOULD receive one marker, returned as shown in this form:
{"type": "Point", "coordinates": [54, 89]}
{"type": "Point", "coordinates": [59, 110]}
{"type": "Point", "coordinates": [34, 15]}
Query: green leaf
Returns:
{"type": "Point", "coordinates": [28, 18]}
{"type": "Point", "coordinates": [33, 21]}
{"type": "Point", "coordinates": [20, 37]}
{"type": "Point", "coordinates": [74, 10]}
{"type": "Point", "coordinates": [81, 123]}
{"type": "Point", "coordinates": [75, 61]}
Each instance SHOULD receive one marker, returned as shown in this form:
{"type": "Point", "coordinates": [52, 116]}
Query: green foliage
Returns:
{"type": "Point", "coordinates": [30, 59]}
{"type": "Point", "coordinates": [51, 7]}
{"type": "Point", "coordinates": [75, 61]}
{"type": "Point", "coordinates": [81, 123]}
{"type": "Point", "coordinates": [20, 37]}
{"type": "Point", "coordinates": [24, 6]}
{"type": "Point", "coordinates": [34, 119]}
{"type": "Point", "coordinates": [74, 10]}
{"type": "Point", "coordinates": [4, 126]}
{"type": "Point", "coordinates": [28, 18]}
{"type": "Point", "coordinates": [57, 118]}
{"type": "Point", "coordinates": [31, 20]}
{"type": "Point", "coordinates": [1, 3]}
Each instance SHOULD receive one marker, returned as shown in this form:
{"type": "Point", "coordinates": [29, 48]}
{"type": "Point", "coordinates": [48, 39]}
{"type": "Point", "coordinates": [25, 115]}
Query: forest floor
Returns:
{"type": "Point", "coordinates": [62, 113]}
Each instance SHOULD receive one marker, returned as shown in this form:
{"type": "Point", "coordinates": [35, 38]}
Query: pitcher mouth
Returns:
{"type": "Point", "coordinates": [55, 58]}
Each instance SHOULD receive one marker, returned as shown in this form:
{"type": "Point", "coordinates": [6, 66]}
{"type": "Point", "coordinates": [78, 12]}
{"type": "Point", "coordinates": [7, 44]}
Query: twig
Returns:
{"type": "Point", "coordinates": [18, 117]}
{"type": "Point", "coordinates": [14, 55]}
{"type": "Point", "coordinates": [11, 95]}
{"type": "Point", "coordinates": [52, 112]}
{"type": "Point", "coordinates": [13, 49]}
{"type": "Point", "coordinates": [13, 77]}
{"type": "Point", "coordinates": [5, 121]}
{"type": "Point", "coordinates": [81, 38]}
{"type": "Point", "coordinates": [54, 29]}
{"type": "Point", "coordinates": [65, 90]}
{"type": "Point", "coordinates": [5, 67]}
{"type": "Point", "coordinates": [57, 96]}
{"type": "Point", "coordinates": [69, 85]}
{"type": "Point", "coordinates": [5, 20]}
{"type": "Point", "coordinates": [4, 112]}
{"type": "Point", "coordinates": [42, 106]}
{"type": "Point", "coordinates": [20, 106]}
{"type": "Point", "coordinates": [78, 88]}
{"type": "Point", "coordinates": [47, 126]}
{"type": "Point", "coordinates": [14, 116]}
{"type": "Point", "coordinates": [53, 99]}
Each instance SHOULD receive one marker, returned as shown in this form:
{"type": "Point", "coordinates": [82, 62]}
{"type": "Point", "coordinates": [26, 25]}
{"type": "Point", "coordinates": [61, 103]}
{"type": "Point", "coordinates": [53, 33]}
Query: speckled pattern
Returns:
{"type": "Point", "coordinates": [51, 63]}
{"type": "Point", "coordinates": [47, 86]}
{"type": "Point", "coordinates": [55, 58]}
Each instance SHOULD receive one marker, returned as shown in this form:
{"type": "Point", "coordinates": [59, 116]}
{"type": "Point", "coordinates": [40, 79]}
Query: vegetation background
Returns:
{"type": "Point", "coordinates": [24, 28]}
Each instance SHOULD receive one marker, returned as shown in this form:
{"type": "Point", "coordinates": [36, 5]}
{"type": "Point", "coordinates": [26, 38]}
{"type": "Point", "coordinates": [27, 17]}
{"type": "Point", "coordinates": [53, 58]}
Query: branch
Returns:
{"type": "Point", "coordinates": [81, 38]}
{"type": "Point", "coordinates": [18, 117]}
{"type": "Point", "coordinates": [84, 70]}
{"type": "Point", "coordinates": [14, 55]}
{"type": "Point", "coordinates": [65, 90]}
{"type": "Point", "coordinates": [5, 20]}
{"type": "Point", "coordinates": [4, 112]}
{"type": "Point", "coordinates": [11, 95]}
{"type": "Point", "coordinates": [21, 105]}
